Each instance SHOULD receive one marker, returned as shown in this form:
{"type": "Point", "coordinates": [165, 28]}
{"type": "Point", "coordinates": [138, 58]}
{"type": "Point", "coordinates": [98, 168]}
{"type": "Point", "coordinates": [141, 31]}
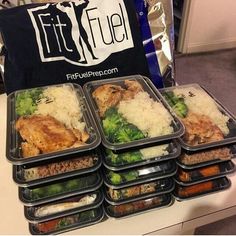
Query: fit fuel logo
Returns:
{"type": "Point", "coordinates": [81, 32]}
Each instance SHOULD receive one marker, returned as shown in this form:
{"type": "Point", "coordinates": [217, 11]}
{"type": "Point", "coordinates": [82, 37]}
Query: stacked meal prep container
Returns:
{"type": "Point", "coordinates": [134, 181]}
{"type": "Point", "coordinates": [205, 160]}
{"type": "Point", "coordinates": [60, 190]}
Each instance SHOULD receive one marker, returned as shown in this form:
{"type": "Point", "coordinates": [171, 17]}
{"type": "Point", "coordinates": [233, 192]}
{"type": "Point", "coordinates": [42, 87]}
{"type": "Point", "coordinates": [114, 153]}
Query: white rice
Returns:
{"type": "Point", "coordinates": [156, 151]}
{"type": "Point", "coordinates": [65, 106]}
{"type": "Point", "coordinates": [148, 115]}
{"type": "Point", "coordinates": [201, 103]}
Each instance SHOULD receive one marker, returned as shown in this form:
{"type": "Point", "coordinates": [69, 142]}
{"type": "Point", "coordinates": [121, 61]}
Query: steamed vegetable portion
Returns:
{"type": "Point", "coordinates": [67, 186]}
{"type": "Point", "coordinates": [117, 129]}
{"type": "Point", "coordinates": [136, 156]}
{"type": "Point", "coordinates": [125, 176]}
{"type": "Point", "coordinates": [26, 102]}
{"type": "Point", "coordinates": [177, 103]}
{"type": "Point", "coordinates": [116, 178]}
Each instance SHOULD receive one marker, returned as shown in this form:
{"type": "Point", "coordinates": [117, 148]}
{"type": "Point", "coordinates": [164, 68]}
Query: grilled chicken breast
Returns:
{"type": "Point", "coordinates": [106, 96]}
{"type": "Point", "coordinates": [45, 133]}
{"type": "Point", "coordinates": [200, 129]}
{"type": "Point", "coordinates": [109, 95]}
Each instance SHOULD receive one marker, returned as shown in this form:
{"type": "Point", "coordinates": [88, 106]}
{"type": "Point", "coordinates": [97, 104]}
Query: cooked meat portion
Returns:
{"type": "Point", "coordinates": [106, 96]}
{"type": "Point", "coordinates": [223, 153]}
{"type": "Point", "coordinates": [133, 87]}
{"type": "Point", "coordinates": [60, 167]}
{"type": "Point", "coordinates": [83, 136]}
{"type": "Point", "coordinates": [200, 129]}
{"type": "Point", "coordinates": [29, 149]}
{"type": "Point", "coordinates": [45, 132]}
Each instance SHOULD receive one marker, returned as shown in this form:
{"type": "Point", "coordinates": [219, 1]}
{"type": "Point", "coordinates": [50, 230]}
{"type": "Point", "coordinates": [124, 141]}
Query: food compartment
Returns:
{"type": "Point", "coordinates": [136, 207]}
{"type": "Point", "coordinates": [67, 223]}
{"type": "Point", "coordinates": [139, 157]}
{"type": "Point", "coordinates": [189, 177]}
{"type": "Point", "coordinates": [36, 195]}
{"type": "Point", "coordinates": [140, 191]}
{"type": "Point", "coordinates": [207, 122]}
{"type": "Point", "coordinates": [201, 189]}
{"type": "Point", "coordinates": [117, 104]}
{"type": "Point", "coordinates": [126, 178]}
{"type": "Point", "coordinates": [197, 159]}
{"type": "Point", "coordinates": [48, 122]}
{"type": "Point", "coordinates": [68, 206]}
{"type": "Point", "coordinates": [29, 175]}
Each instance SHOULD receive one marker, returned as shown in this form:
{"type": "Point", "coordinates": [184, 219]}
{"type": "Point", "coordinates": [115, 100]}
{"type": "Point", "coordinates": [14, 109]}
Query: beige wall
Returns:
{"type": "Point", "coordinates": [211, 25]}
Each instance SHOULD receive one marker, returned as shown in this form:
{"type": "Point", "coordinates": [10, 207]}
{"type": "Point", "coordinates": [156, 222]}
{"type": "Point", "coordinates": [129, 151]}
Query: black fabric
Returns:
{"type": "Point", "coordinates": [24, 67]}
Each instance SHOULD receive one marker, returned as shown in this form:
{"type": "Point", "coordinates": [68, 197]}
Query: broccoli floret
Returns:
{"type": "Point", "coordinates": [177, 103]}
{"type": "Point", "coordinates": [130, 157]}
{"type": "Point", "coordinates": [113, 120]}
{"type": "Point", "coordinates": [54, 189]}
{"type": "Point", "coordinates": [72, 184]}
{"type": "Point", "coordinates": [117, 129]}
{"type": "Point", "coordinates": [114, 177]}
{"type": "Point", "coordinates": [26, 101]}
{"type": "Point", "coordinates": [131, 175]}
{"type": "Point", "coordinates": [180, 109]}
{"type": "Point", "coordinates": [113, 158]}
{"type": "Point", "coordinates": [128, 133]}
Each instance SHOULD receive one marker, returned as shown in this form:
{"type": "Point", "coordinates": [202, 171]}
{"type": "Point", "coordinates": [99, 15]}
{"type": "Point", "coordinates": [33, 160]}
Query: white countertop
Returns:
{"type": "Point", "coordinates": [14, 222]}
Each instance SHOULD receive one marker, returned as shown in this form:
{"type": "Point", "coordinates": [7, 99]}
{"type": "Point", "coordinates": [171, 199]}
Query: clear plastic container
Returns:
{"type": "Point", "coordinates": [67, 223]}
{"type": "Point", "coordinates": [69, 166]}
{"type": "Point", "coordinates": [138, 192]}
{"type": "Point", "coordinates": [68, 206]}
{"type": "Point", "coordinates": [45, 193]}
{"type": "Point", "coordinates": [207, 122]}
{"type": "Point", "coordinates": [109, 100]}
{"type": "Point", "coordinates": [126, 178]}
{"type": "Point", "coordinates": [202, 174]}
{"type": "Point", "coordinates": [48, 122]}
{"type": "Point", "coordinates": [202, 189]}
{"type": "Point", "coordinates": [138, 207]}
{"type": "Point", "coordinates": [139, 157]}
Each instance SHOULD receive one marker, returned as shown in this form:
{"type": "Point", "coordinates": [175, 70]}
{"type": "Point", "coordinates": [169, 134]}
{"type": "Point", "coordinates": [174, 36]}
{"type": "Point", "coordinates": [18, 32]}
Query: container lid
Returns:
{"type": "Point", "coordinates": [138, 207]}
{"type": "Point", "coordinates": [192, 160]}
{"type": "Point", "coordinates": [139, 157]}
{"type": "Point", "coordinates": [202, 189]}
{"type": "Point", "coordinates": [48, 171]}
{"type": "Point", "coordinates": [116, 105]}
{"type": "Point", "coordinates": [48, 122]}
{"type": "Point", "coordinates": [67, 223]}
{"type": "Point", "coordinates": [138, 192]}
{"type": "Point", "coordinates": [199, 175]}
{"type": "Point", "coordinates": [207, 122]}
{"type": "Point", "coordinates": [68, 206]}
{"type": "Point", "coordinates": [126, 178]}
{"type": "Point", "coordinates": [32, 196]}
